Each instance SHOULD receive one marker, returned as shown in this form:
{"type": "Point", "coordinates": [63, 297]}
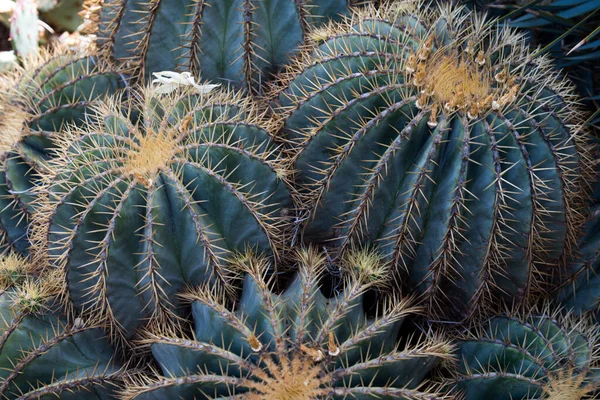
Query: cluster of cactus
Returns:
{"type": "Point", "coordinates": [208, 235]}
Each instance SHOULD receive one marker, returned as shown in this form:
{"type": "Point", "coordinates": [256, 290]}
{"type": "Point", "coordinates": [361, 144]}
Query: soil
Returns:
{"type": "Point", "coordinates": [4, 35]}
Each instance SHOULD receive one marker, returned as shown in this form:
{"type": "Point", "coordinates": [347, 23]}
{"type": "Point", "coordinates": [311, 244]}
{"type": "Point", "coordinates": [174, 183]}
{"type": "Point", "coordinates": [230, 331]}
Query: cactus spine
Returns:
{"type": "Point", "coordinates": [54, 90]}
{"type": "Point", "coordinates": [137, 211]}
{"type": "Point", "coordinates": [297, 345]}
{"type": "Point", "coordinates": [437, 137]}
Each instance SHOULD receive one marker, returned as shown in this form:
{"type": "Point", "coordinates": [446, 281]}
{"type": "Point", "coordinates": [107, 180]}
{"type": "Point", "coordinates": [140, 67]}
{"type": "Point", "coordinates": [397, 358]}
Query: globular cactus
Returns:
{"type": "Point", "coordinates": [438, 137]}
{"type": "Point", "coordinates": [24, 28]}
{"type": "Point", "coordinates": [531, 356]}
{"type": "Point", "coordinates": [223, 41]}
{"type": "Point", "coordinates": [136, 211]}
{"type": "Point", "coordinates": [52, 91]}
{"type": "Point", "coordinates": [580, 289]}
{"type": "Point", "coordinates": [295, 345]}
{"type": "Point", "coordinates": [42, 355]}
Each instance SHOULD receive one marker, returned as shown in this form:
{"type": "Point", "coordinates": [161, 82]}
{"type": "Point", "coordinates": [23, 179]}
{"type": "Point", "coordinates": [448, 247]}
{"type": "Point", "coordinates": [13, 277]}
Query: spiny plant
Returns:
{"type": "Point", "coordinates": [24, 29]}
{"type": "Point", "coordinates": [134, 211]}
{"type": "Point", "coordinates": [224, 41]}
{"type": "Point", "coordinates": [52, 91]}
{"type": "Point", "coordinates": [530, 355]}
{"type": "Point", "coordinates": [566, 29]}
{"type": "Point", "coordinates": [580, 290]}
{"type": "Point", "coordinates": [434, 135]}
{"type": "Point", "coordinates": [42, 355]}
{"type": "Point", "coordinates": [294, 345]}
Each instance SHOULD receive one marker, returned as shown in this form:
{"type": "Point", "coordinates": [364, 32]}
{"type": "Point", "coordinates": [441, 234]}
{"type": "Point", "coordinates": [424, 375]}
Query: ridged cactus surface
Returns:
{"type": "Point", "coordinates": [223, 41]}
{"type": "Point", "coordinates": [580, 291]}
{"type": "Point", "coordinates": [42, 355]}
{"type": "Point", "coordinates": [135, 212]}
{"type": "Point", "coordinates": [296, 345]}
{"type": "Point", "coordinates": [52, 91]}
{"type": "Point", "coordinates": [436, 136]}
{"type": "Point", "coordinates": [535, 356]}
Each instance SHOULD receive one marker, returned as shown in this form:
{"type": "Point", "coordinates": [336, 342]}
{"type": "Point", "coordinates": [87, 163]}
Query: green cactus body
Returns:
{"type": "Point", "coordinates": [42, 356]}
{"type": "Point", "coordinates": [56, 90]}
{"type": "Point", "coordinates": [24, 29]}
{"type": "Point", "coordinates": [580, 292]}
{"type": "Point", "coordinates": [297, 345]}
{"type": "Point", "coordinates": [137, 212]}
{"type": "Point", "coordinates": [64, 15]}
{"type": "Point", "coordinates": [223, 41]}
{"type": "Point", "coordinates": [532, 357]}
{"type": "Point", "coordinates": [435, 136]}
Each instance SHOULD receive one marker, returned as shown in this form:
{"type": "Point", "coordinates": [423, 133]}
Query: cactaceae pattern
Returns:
{"type": "Point", "coordinates": [579, 291]}
{"type": "Point", "coordinates": [52, 91]}
{"type": "Point", "coordinates": [135, 211]}
{"type": "Point", "coordinates": [517, 356]}
{"type": "Point", "coordinates": [436, 136]}
{"type": "Point", "coordinates": [296, 345]}
{"type": "Point", "coordinates": [223, 41]}
{"type": "Point", "coordinates": [42, 355]}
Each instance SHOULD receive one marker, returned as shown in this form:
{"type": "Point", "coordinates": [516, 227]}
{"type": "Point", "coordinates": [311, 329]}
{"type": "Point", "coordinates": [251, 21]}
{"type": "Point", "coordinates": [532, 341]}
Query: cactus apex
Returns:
{"type": "Point", "coordinates": [468, 93]}
{"type": "Point", "coordinates": [14, 269]}
{"type": "Point", "coordinates": [295, 345]}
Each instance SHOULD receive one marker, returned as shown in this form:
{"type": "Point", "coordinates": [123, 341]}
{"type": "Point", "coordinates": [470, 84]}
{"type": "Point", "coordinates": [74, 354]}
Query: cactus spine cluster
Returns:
{"type": "Point", "coordinates": [241, 42]}
{"type": "Point", "coordinates": [136, 211]}
{"type": "Point", "coordinates": [441, 140]}
{"type": "Point", "coordinates": [54, 90]}
{"type": "Point", "coordinates": [531, 356]}
{"type": "Point", "coordinates": [295, 345]}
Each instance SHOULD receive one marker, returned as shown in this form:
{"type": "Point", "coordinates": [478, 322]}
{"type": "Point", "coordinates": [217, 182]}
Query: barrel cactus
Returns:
{"type": "Point", "coordinates": [297, 344]}
{"type": "Point", "coordinates": [580, 290]}
{"type": "Point", "coordinates": [224, 41]}
{"type": "Point", "coordinates": [438, 137]}
{"type": "Point", "coordinates": [52, 91]}
{"type": "Point", "coordinates": [135, 211]}
{"type": "Point", "coordinates": [42, 355]}
{"type": "Point", "coordinates": [532, 356]}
